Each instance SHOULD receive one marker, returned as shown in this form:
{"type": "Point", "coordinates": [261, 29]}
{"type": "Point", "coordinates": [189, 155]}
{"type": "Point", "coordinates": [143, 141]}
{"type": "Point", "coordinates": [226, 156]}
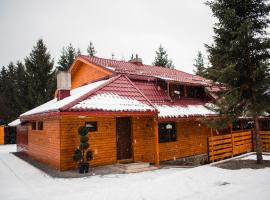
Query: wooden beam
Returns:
{"type": "Point", "coordinates": [155, 129]}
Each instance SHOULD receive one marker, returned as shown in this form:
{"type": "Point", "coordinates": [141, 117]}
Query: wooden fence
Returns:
{"type": "Point", "coordinates": [2, 135]}
{"type": "Point", "coordinates": [224, 146]}
{"type": "Point", "coordinates": [265, 139]}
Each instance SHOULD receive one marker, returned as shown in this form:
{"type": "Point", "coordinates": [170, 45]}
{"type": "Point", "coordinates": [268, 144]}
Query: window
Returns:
{"type": "Point", "coordinates": [33, 125]}
{"type": "Point", "coordinates": [92, 126]}
{"type": "Point", "coordinates": [178, 91]}
{"type": "Point", "coordinates": [40, 125]}
{"type": "Point", "coordinates": [195, 92]}
{"type": "Point", "coordinates": [167, 132]}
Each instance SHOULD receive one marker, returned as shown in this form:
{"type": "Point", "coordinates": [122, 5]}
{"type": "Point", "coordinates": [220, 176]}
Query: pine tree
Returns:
{"type": "Point", "coordinates": [40, 75]}
{"type": "Point", "coordinates": [199, 65]}
{"type": "Point", "coordinates": [161, 58]}
{"type": "Point", "coordinates": [9, 108]}
{"type": "Point", "coordinates": [91, 49]}
{"type": "Point", "coordinates": [67, 57]}
{"type": "Point", "coordinates": [21, 85]}
{"type": "Point", "coordinates": [239, 58]}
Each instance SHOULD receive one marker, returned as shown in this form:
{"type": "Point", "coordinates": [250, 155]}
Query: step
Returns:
{"type": "Point", "coordinates": [150, 168]}
{"type": "Point", "coordinates": [133, 166]}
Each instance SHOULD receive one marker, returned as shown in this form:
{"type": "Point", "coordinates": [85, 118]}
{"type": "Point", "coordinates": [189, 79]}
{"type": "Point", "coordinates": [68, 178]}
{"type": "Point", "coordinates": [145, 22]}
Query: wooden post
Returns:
{"type": "Point", "coordinates": [185, 91]}
{"type": "Point", "coordinates": [212, 145]}
{"type": "Point", "coordinates": [155, 128]}
{"type": "Point", "coordinates": [232, 139]}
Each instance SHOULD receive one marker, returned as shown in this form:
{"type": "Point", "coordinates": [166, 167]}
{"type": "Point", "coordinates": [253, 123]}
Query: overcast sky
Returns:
{"type": "Point", "coordinates": [121, 27]}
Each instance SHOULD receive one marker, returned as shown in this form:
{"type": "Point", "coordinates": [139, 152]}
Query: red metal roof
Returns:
{"type": "Point", "coordinates": [121, 86]}
{"type": "Point", "coordinates": [147, 70]}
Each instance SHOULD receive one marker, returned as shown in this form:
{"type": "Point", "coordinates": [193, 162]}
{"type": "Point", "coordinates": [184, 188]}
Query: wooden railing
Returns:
{"type": "Point", "coordinates": [224, 146]}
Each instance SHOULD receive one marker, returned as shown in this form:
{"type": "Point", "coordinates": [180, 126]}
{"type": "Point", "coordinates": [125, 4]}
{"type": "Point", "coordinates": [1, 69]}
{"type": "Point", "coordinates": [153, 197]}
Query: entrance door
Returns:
{"type": "Point", "coordinates": [123, 138]}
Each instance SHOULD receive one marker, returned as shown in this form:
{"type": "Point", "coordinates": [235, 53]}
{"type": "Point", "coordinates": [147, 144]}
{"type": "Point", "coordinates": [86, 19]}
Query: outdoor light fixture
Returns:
{"type": "Point", "coordinates": [81, 116]}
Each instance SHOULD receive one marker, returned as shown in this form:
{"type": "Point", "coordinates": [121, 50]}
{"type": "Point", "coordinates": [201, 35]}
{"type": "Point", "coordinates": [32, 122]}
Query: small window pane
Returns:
{"type": "Point", "coordinates": [34, 126]}
{"type": "Point", "coordinates": [40, 125]}
{"type": "Point", "coordinates": [92, 126]}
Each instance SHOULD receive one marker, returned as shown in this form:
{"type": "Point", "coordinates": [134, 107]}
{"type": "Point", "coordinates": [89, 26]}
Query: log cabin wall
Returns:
{"type": "Point", "coordinates": [143, 139]}
{"type": "Point", "coordinates": [86, 73]}
{"type": "Point", "coordinates": [44, 145]}
{"type": "Point", "coordinates": [102, 141]}
{"type": "Point", "coordinates": [191, 140]}
{"type": "Point", "coordinates": [22, 138]}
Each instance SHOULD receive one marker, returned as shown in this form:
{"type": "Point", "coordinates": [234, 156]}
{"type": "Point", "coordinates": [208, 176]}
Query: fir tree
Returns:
{"type": "Point", "coordinates": [161, 58]}
{"type": "Point", "coordinates": [8, 106]}
{"type": "Point", "coordinates": [199, 65]}
{"type": "Point", "coordinates": [40, 75]}
{"type": "Point", "coordinates": [239, 58]}
{"type": "Point", "coordinates": [67, 57]}
{"type": "Point", "coordinates": [21, 85]}
{"type": "Point", "coordinates": [91, 49]}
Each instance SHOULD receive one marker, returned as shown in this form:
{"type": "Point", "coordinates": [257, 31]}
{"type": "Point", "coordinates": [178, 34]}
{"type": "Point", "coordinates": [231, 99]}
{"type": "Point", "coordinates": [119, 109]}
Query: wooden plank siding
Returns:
{"type": "Point", "coordinates": [22, 138]}
{"type": "Point", "coordinates": [191, 140]}
{"type": "Point", "coordinates": [82, 75]}
{"type": "Point", "coordinates": [143, 139]}
{"type": "Point", "coordinates": [44, 145]}
{"type": "Point", "coordinates": [103, 141]}
{"type": "Point", "coordinates": [2, 134]}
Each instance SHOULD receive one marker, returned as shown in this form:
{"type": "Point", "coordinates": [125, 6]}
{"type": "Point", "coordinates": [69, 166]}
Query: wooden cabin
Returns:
{"type": "Point", "coordinates": [136, 113]}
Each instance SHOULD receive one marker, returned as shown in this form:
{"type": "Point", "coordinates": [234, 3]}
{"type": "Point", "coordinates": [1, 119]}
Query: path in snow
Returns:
{"type": "Point", "coordinates": [19, 180]}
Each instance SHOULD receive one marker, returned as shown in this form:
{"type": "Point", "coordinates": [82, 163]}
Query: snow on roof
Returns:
{"type": "Point", "coordinates": [16, 122]}
{"type": "Point", "coordinates": [112, 102]}
{"type": "Point", "coordinates": [183, 111]}
{"type": "Point", "coordinates": [55, 105]}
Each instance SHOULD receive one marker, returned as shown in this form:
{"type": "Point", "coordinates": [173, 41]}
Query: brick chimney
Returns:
{"type": "Point", "coordinates": [63, 85]}
{"type": "Point", "coordinates": [136, 60]}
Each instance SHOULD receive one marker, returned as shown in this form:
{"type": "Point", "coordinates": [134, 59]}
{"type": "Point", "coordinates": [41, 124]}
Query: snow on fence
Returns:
{"type": "Point", "coordinates": [225, 146]}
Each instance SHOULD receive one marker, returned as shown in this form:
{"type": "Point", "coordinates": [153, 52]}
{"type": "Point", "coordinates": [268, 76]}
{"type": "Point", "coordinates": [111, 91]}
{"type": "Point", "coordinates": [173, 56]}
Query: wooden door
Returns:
{"type": "Point", "coordinates": [123, 138]}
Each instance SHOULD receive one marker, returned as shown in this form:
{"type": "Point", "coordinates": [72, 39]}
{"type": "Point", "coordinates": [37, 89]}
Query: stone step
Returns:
{"type": "Point", "coordinates": [133, 166]}
{"type": "Point", "coordinates": [150, 168]}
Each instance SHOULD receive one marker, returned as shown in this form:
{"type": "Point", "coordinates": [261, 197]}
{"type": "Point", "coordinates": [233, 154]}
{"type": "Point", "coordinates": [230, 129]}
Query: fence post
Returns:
{"type": "Point", "coordinates": [212, 144]}
{"type": "Point", "coordinates": [232, 139]}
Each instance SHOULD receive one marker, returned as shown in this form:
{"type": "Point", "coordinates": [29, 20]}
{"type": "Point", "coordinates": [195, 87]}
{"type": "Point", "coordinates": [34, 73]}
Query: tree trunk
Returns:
{"type": "Point", "coordinates": [258, 140]}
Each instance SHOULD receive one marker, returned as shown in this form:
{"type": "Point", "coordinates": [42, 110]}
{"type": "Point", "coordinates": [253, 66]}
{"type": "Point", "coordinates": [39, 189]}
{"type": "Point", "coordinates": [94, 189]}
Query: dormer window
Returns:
{"type": "Point", "coordinates": [185, 91]}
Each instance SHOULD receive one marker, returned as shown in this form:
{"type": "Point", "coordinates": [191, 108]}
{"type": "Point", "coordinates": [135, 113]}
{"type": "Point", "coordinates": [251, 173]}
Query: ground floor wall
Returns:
{"type": "Point", "coordinates": [191, 140]}
{"type": "Point", "coordinates": [44, 145]}
{"type": "Point", "coordinates": [103, 141]}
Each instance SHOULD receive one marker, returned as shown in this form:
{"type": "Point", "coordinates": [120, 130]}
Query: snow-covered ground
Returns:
{"type": "Point", "coordinates": [19, 180]}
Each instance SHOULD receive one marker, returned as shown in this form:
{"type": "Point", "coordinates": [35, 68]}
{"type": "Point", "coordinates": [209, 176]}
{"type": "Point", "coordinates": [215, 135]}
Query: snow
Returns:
{"type": "Point", "coordinates": [55, 105]}
{"type": "Point", "coordinates": [19, 180]}
{"type": "Point", "coordinates": [15, 122]}
{"type": "Point", "coordinates": [183, 111]}
{"type": "Point", "coordinates": [253, 157]}
{"type": "Point", "coordinates": [112, 102]}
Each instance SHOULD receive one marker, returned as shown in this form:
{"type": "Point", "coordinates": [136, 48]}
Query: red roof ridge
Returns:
{"type": "Point", "coordinates": [85, 57]}
{"type": "Point", "coordinates": [83, 97]}
{"type": "Point", "coordinates": [140, 92]}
